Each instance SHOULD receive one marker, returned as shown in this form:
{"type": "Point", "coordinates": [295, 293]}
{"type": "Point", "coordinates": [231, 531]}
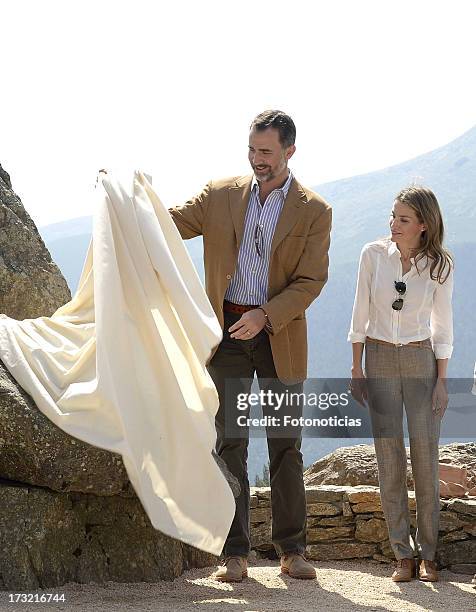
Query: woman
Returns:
{"type": "Point", "coordinates": [403, 315]}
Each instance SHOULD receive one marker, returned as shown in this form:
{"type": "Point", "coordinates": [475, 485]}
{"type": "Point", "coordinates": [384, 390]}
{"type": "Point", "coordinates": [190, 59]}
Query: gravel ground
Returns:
{"type": "Point", "coordinates": [340, 586]}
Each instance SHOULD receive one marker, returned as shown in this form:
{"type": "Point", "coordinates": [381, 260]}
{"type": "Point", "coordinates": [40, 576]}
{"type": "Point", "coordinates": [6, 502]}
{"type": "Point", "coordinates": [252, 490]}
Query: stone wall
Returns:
{"type": "Point", "coordinates": [346, 522]}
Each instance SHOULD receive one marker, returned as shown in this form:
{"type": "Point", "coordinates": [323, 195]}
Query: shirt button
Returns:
{"type": "Point", "coordinates": [228, 276]}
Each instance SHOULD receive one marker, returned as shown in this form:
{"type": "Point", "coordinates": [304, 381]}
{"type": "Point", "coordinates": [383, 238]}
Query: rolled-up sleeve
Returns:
{"type": "Point", "coordinates": [361, 309]}
{"type": "Point", "coordinates": [441, 319]}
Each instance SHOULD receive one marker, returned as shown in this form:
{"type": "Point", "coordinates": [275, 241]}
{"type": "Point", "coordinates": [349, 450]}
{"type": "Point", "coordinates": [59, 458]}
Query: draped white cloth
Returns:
{"type": "Point", "coordinates": [122, 366]}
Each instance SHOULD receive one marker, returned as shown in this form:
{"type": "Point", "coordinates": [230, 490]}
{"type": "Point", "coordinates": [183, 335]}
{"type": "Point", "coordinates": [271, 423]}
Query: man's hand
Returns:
{"type": "Point", "coordinates": [249, 325]}
{"type": "Point", "coordinates": [101, 171]}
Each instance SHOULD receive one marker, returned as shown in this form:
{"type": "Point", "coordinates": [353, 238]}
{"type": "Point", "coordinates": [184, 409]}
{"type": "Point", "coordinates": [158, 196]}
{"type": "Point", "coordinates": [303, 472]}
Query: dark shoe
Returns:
{"type": "Point", "coordinates": [427, 571]}
{"type": "Point", "coordinates": [405, 570]}
{"type": "Point", "coordinates": [233, 569]}
{"type": "Point", "coordinates": [296, 566]}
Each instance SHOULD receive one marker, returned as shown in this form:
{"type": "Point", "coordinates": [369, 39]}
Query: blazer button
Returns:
{"type": "Point", "coordinates": [228, 276]}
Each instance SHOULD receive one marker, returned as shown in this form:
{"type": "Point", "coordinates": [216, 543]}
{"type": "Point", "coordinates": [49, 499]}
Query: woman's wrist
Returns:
{"type": "Point", "coordinates": [442, 381]}
{"type": "Point", "coordinates": [441, 368]}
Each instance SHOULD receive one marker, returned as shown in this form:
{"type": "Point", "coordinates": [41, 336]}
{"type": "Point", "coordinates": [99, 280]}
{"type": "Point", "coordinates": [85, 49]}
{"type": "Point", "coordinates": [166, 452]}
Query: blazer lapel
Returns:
{"type": "Point", "coordinates": [293, 208]}
{"type": "Point", "coordinates": [239, 196]}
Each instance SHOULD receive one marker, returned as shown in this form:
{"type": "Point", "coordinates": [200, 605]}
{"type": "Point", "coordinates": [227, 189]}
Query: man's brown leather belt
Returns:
{"type": "Point", "coordinates": [237, 308]}
{"type": "Point", "coordinates": [420, 343]}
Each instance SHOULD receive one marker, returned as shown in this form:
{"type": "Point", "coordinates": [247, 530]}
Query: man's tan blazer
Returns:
{"type": "Point", "coordinates": [298, 264]}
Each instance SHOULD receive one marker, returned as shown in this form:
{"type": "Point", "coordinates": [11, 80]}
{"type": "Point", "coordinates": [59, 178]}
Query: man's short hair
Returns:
{"type": "Point", "coordinates": [278, 120]}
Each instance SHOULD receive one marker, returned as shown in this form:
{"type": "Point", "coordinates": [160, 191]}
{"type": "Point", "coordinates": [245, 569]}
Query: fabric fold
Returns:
{"type": "Point", "coordinates": [122, 365]}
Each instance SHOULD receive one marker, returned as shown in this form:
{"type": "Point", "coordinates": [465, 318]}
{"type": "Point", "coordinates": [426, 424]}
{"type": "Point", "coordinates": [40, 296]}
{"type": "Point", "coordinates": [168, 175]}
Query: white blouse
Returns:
{"type": "Point", "coordinates": [426, 312]}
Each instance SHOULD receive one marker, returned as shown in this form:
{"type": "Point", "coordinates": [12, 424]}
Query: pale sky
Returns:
{"type": "Point", "coordinates": [171, 88]}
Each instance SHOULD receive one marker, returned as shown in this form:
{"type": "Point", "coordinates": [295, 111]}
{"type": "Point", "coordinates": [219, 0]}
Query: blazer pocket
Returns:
{"type": "Point", "coordinates": [295, 235]}
{"type": "Point", "coordinates": [290, 251]}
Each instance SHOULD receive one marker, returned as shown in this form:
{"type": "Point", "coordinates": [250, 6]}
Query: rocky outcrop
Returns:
{"type": "Point", "coordinates": [31, 285]}
{"type": "Point", "coordinates": [68, 511]}
{"type": "Point", "coordinates": [357, 465]}
{"type": "Point", "coordinates": [48, 539]}
{"type": "Point", "coordinates": [349, 465]}
{"type": "Point", "coordinates": [346, 522]}
{"type": "Point", "coordinates": [35, 451]}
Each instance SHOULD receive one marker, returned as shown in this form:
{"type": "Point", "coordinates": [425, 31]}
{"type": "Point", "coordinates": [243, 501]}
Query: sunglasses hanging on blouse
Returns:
{"type": "Point", "coordinates": [400, 288]}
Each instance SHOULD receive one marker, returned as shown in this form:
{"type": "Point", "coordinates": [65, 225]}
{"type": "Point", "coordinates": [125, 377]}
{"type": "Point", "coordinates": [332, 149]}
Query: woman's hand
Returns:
{"type": "Point", "coordinates": [440, 397]}
{"type": "Point", "coordinates": [358, 386]}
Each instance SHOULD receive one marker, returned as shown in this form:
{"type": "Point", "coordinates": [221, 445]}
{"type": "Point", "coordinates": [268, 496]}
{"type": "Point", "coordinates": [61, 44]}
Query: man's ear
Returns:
{"type": "Point", "coordinates": [290, 151]}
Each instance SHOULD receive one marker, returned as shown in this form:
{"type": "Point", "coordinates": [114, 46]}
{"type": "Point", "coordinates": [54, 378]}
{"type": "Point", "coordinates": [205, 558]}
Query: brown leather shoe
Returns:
{"type": "Point", "coordinates": [296, 566]}
{"type": "Point", "coordinates": [427, 571]}
{"type": "Point", "coordinates": [405, 570]}
{"type": "Point", "coordinates": [233, 569]}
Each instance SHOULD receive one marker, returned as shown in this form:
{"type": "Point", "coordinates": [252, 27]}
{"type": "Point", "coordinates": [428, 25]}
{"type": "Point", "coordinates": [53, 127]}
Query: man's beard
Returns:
{"type": "Point", "coordinates": [265, 178]}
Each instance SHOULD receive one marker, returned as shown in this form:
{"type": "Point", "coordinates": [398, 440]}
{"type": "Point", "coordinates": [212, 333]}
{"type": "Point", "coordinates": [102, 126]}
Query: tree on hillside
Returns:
{"type": "Point", "coordinates": [263, 481]}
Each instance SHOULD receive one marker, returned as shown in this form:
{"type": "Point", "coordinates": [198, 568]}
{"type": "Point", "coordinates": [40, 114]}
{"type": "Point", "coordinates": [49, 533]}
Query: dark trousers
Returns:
{"type": "Point", "coordinates": [240, 360]}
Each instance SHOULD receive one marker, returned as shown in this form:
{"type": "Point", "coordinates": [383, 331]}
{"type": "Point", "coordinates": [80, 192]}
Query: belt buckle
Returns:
{"type": "Point", "coordinates": [398, 344]}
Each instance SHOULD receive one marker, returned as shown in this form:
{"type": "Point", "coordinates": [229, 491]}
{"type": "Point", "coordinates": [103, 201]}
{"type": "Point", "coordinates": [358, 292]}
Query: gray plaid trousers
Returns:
{"type": "Point", "coordinates": [398, 377]}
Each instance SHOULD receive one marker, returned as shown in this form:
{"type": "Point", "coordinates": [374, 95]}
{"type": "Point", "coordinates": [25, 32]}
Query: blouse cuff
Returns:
{"type": "Point", "coordinates": [356, 337]}
{"type": "Point", "coordinates": [443, 351]}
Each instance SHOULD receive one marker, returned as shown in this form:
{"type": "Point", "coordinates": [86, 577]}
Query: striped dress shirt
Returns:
{"type": "Point", "coordinates": [249, 284]}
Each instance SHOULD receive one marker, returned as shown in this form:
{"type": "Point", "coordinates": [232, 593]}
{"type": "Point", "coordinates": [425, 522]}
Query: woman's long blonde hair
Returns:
{"type": "Point", "coordinates": [423, 201]}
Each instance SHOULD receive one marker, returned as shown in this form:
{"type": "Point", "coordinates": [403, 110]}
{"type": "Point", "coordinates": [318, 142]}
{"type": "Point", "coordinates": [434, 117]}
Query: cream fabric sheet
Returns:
{"type": "Point", "coordinates": [122, 366]}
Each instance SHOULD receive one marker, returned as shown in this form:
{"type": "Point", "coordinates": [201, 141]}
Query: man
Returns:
{"type": "Point", "coordinates": [266, 240]}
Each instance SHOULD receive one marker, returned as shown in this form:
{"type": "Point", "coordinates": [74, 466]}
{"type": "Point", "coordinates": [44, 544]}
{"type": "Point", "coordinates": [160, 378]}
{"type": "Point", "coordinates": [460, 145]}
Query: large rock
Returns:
{"type": "Point", "coordinates": [67, 509]}
{"type": "Point", "coordinates": [456, 552]}
{"type": "Point", "coordinates": [31, 285]}
{"type": "Point", "coordinates": [35, 451]}
{"type": "Point", "coordinates": [357, 465]}
{"type": "Point", "coordinates": [32, 449]}
{"type": "Point", "coordinates": [348, 465]}
{"type": "Point", "coordinates": [48, 539]}
{"type": "Point", "coordinates": [462, 454]}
